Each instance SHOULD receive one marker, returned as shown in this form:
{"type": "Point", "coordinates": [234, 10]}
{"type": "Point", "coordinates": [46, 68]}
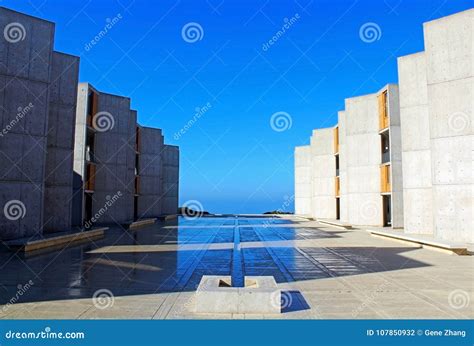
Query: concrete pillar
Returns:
{"type": "Point", "coordinates": [170, 179]}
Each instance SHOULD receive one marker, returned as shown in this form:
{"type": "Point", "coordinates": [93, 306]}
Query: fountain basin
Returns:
{"type": "Point", "coordinates": [259, 295]}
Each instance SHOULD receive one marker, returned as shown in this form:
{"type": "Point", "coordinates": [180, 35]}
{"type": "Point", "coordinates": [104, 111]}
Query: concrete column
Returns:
{"type": "Point", "coordinates": [170, 179]}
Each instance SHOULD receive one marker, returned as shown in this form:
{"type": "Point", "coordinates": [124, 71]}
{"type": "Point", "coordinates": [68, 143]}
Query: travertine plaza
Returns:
{"type": "Point", "coordinates": [72, 157]}
{"type": "Point", "coordinates": [401, 157]}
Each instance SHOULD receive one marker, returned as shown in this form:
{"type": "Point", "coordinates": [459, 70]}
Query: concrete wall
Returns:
{"type": "Point", "coordinates": [303, 183]}
{"type": "Point", "coordinates": [363, 157]}
{"type": "Point", "coordinates": [170, 179]}
{"type": "Point", "coordinates": [115, 155]}
{"type": "Point", "coordinates": [344, 207]}
{"type": "Point", "coordinates": [449, 51]}
{"type": "Point", "coordinates": [437, 102]}
{"type": "Point", "coordinates": [323, 173]}
{"type": "Point", "coordinates": [151, 173]}
{"type": "Point", "coordinates": [60, 143]}
{"type": "Point", "coordinates": [416, 146]}
{"type": "Point", "coordinates": [25, 68]}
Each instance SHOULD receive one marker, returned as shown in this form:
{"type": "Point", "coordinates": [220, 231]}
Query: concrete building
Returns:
{"type": "Point", "coordinates": [437, 102]}
{"type": "Point", "coordinates": [403, 154]}
{"type": "Point", "coordinates": [355, 167]}
{"type": "Point", "coordinates": [37, 99]}
{"type": "Point", "coordinates": [116, 160]}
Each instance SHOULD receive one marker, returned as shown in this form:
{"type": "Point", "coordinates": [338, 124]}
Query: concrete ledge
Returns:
{"type": "Point", "coordinates": [423, 241]}
{"type": "Point", "coordinates": [141, 223]}
{"type": "Point", "coordinates": [54, 240]}
{"type": "Point", "coordinates": [168, 217]}
{"type": "Point", "coordinates": [335, 223]}
{"type": "Point", "coordinates": [259, 296]}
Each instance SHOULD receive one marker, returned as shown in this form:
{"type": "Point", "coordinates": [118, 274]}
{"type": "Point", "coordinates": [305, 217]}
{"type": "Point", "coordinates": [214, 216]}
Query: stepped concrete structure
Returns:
{"type": "Point", "coordinates": [355, 167]}
{"type": "Point", "coordinates": [123, 170]}
{"type": "Point", "coordinates": [437, 102]}
{"type": "Point", "coordinates": [37, 102]}
{"type": "Point", "coordinates": [72, 156]}
{"type": "Point", "coordinates": [403, 154]}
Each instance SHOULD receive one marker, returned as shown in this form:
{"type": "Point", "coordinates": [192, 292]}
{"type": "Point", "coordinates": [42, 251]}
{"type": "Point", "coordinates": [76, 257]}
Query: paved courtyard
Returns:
{"type": "Point", "coordinates": [153, 273]}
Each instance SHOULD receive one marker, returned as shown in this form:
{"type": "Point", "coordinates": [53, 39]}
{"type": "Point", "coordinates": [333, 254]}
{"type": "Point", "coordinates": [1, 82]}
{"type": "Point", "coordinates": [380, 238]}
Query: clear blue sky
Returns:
{"type": "Point", "coordinates": [231, 159]}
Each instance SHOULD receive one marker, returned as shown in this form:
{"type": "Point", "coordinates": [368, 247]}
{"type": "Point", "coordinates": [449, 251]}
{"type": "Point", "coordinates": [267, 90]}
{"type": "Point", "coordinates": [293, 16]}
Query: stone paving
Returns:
{"type": "Point", "coordinates": [153, 272]}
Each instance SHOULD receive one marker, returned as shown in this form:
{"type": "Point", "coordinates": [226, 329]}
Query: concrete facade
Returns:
{"type": "Point", "coordinates": [323, 174]}
{"type": "Point", "coordinates": [303, 181]}
{"type": "Point", "coordinates": [405, 153]}
{"type": "Point", "coordinates": [60, 143]}
{"type": "Point", "coordinates": [437, 88]}
{"type": "Point", "coordinates": [170, 179]}
{"type": "Point", "coordinates": [116, 156]}
{"type": "Point", "coordinates": [150, 203]}
{"type": "Point", "coordinates": [36, 88]}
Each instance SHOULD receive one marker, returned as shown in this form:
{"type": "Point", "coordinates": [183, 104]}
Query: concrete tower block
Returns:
{"type": "Point", "coordinates": [303, 180]}
{"type": "Point", "coordinates": [60, 149]}
{"type": "Point", "coordinates": [151, 173]}
{"type": "Point", "coordinates": [323, 174]}
{"type": "Point", "coordinates": [170, 179]}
